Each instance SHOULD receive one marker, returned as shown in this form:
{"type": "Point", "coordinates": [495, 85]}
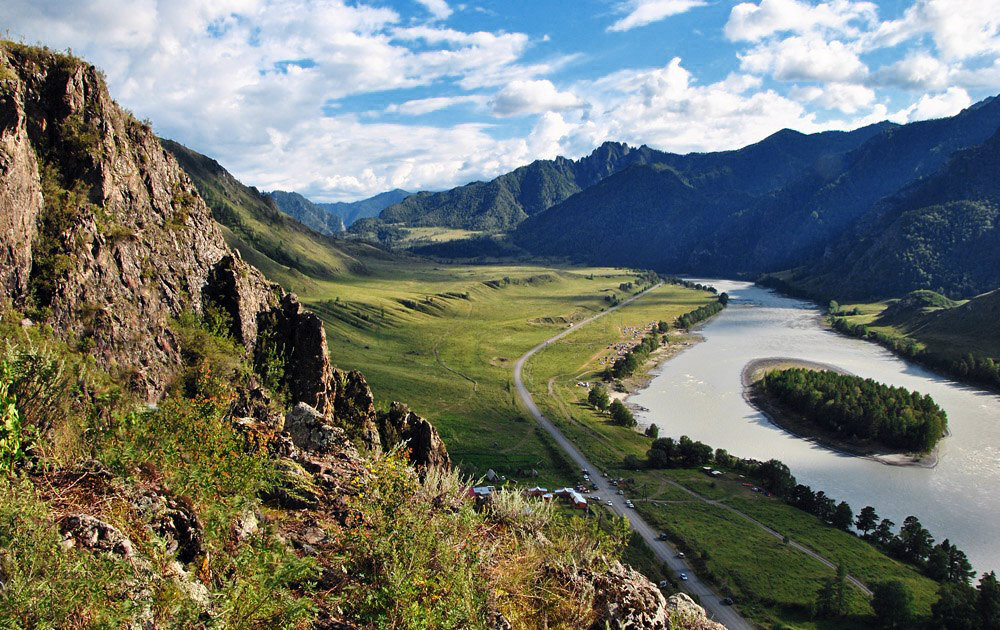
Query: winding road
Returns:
{"type": "Point", "coordinates": [725, 615]}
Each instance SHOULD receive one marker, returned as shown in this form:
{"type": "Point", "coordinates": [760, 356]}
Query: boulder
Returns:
{"type": "Point", "coordinates": [87, 532]}
{"type": "Point", "coordinates": [684, 613]}
{"type": "Point", "coordinates": [309, 431]}
{"type": "Point", "coordinates": [174, 520]}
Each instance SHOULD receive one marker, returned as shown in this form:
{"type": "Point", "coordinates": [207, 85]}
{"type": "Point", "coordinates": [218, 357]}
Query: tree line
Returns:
{"type": "Point", "coordinates": [858, 408]}
{"type": "Point", "coordinates": [911, 543]}
{"type": "Point", "coordinates": [970, 368]}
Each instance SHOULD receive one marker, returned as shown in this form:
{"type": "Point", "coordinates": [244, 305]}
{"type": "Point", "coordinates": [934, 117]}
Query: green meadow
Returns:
{"type": "Point", "coordinates": [444, 340]}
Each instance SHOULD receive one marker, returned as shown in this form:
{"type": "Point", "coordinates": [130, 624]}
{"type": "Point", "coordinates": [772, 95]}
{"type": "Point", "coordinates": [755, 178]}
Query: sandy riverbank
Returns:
{"type": "Point", "coordinates": [802, 428]}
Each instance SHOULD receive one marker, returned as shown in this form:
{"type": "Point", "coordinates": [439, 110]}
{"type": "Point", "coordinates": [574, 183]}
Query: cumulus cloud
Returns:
{"type": "Point", "coordinates": [805, 57]}
{"type": "Point", "coordinates": [643, 12]}
{"type": "Point", "coordinates": [917, 71]}
{"type": "Point", "coordinates": [959, 30]}
{"type": "Point", "coordinates": [941, 105]}
{"type": "Point", "coordinates": [752, 22]}
{"type": "Point", "coordinates": [532, 97]}
{"type": "Point", "coordinates": [845, 97]}
{"type": "Point", "coordinates": [438, 8]}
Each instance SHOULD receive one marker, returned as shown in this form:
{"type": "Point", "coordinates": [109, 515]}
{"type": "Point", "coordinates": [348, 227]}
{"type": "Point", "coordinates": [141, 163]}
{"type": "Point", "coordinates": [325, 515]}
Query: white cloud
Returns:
{"type": "Point", "coordinates": [917, 71]}
{"type": "Point", "coordinates": [438, 8]}
{"type": "Point", "coordinates": [941, 105]}
{"type": "Point", "coordinates": [752, 22]}
{"type": "Point", "coordinates": [421, 106]}
{"type": "Point", "coordinates": [643, 12]}
{"type": "Point", "coordinates": [845, 97]}
{"type": "Point", "coordinates": [804, 57]}
{"type": "Point", "coordinates": [532, 97]}
{"type": "Point", "coordinates": [959, 29]}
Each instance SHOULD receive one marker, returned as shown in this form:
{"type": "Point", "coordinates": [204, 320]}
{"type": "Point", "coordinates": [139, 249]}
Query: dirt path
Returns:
{"type": "Point", "coordinates": [791, 543]}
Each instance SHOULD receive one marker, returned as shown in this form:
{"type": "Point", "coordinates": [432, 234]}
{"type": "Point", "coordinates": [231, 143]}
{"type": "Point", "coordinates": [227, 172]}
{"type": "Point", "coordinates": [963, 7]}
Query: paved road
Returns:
{"type": "Point", "coordinates": [725, 615]}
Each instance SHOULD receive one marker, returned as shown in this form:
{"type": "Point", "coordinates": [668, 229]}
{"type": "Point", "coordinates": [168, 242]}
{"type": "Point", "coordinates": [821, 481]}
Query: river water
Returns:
{"type": "Point", "coordinates": [699, 394]}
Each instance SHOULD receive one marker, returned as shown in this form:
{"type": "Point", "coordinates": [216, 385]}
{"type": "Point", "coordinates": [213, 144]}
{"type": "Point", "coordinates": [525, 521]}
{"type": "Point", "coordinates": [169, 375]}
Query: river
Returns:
{"type": "Point", "coordinates": [699, 394]}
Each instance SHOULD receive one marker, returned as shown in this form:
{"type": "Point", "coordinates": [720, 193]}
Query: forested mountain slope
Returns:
{"type": "Point", "coordinates": [504, 202]}
{"type": "Point", "coordinates": [306, 212]}
{"type": "Point", "coordinates": [351, 211]}
{"type": "Point", "coordinates": [941, 233]}
{"type": "Point", "coordinates": [729, 225]}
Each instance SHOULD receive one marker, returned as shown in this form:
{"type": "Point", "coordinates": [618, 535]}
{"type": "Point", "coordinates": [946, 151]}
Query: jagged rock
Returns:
{"type": "Point", "coordinates": [295, 488]}
{"type": "Point", "coordinates": [354, 408]}
{"type": "Point", "coordinates": [141, 252]}
{"type": "Point", "coordinates": [684, 613]}
{"type": "Point", "coordinates": [400, 424]}
{"type": "Point", "coordinates": [94, 534]}
{"type": "Point", "coordinates": [626, 599]}
{"type": "Point", "coordinates": [309, 431]}
{"type": "Point", "coordinates": [173, 519]}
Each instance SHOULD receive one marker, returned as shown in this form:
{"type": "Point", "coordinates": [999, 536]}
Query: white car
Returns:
{"type": "Point", "coordinates": [684, 576]}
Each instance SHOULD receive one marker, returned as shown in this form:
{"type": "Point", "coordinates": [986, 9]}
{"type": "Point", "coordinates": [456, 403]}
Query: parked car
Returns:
{"type": "Point", "coordinates": [662, 536]}
{"type": "Point", "coordinates": [630, 504]}
{"type": "Point", "coordinates": [611, 504]}
{"type": "Point", "coordinates": [684, 576]}
{"type": "Point", "coordinates": [728, 601]}
{"type": "Point", "coordinates": [664, 584]}
{"type": "Point", "coordinates": [621, 492]}
{"type": "Point", "coordinates": [680, 554]}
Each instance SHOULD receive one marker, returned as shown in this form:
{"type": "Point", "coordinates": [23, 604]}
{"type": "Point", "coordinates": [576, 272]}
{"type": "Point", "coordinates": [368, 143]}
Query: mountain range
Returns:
{"type": "Point", "coordinates": [917, 198]}
{"type": "Point", "coordinates": [331, 218]}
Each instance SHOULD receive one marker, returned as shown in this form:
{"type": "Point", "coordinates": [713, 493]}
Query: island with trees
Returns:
{"type": "Point", "coordinates": [850, 413]}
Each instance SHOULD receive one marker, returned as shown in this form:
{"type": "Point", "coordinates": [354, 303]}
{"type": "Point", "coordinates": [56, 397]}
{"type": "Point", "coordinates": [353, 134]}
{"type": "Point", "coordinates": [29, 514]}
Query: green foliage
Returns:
{"type": "Point", "coordinates": [893, 604]}
{"type": "Point", "coordinates": [621, 415]}
{"type": "Point", "coordinates": [46, 586]}
{"type": "Point", "coordinates": [857, 408]}
{"type": "Point", "coordinates": [598, 397]}
{"type": "Point", "coordinates": [15, 436]}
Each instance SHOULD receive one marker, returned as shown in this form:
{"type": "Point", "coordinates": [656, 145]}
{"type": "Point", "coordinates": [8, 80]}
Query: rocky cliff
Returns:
{"type": "Point", "coordinates": [106, 239]}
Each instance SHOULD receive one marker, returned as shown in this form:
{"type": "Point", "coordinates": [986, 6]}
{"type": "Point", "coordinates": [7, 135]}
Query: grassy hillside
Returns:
{"type": "Point", "coordinates": [445, 338]}
{"type": "Point", "coordinates": [960, 339]}
{"type": "Point", "coordinates": [285, 250]}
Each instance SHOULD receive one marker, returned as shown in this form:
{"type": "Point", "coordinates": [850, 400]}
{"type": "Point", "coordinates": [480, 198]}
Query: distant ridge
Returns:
{"type": "Point", "coordinates": [872, 213]}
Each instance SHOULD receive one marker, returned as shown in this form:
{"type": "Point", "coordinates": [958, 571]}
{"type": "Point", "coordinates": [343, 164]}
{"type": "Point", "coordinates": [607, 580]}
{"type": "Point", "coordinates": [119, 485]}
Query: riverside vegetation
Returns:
{"type": "Point", "coordinates": [861, 410]}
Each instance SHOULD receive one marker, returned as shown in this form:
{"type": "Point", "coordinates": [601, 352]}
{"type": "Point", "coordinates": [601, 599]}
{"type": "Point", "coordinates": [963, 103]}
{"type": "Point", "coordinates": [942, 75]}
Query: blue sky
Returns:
{"type": "Point", "coordinates": [342, 100]}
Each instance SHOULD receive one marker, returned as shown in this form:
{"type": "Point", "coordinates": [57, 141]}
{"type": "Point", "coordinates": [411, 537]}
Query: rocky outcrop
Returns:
{"type": "Point", "coordinates": [624, 599]}
{"type": "Point", "coordinates": [174, 520]}
{"type": "Point", "coordinates": [400, 425]}
{"type": "Point", "coordinates": [106, 238]}
{"type": "Point", "coordinates": [684, 613]}
{"type": "Point", "coordinates": [354, 409]}
{"type": "Point", "coordinates": [86, 532]}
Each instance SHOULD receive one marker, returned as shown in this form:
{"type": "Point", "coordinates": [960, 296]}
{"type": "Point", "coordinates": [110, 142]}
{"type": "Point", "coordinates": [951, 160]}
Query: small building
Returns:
{"type": "Point", "coordinates": [537, 491]}
{"type": "Point", "coordinates": [483, 491]}
{"type": "Point", "coordinates": [491, 475]}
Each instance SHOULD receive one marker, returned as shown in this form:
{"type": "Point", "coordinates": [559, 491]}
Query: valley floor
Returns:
{"type": "Point", "coordinates": [445, 339]}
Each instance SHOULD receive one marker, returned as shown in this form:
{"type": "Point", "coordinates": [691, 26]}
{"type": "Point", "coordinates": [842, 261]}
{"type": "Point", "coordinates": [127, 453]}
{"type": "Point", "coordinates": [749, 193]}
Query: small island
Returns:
{"type": "Point", "coordinates": [857, 415]}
